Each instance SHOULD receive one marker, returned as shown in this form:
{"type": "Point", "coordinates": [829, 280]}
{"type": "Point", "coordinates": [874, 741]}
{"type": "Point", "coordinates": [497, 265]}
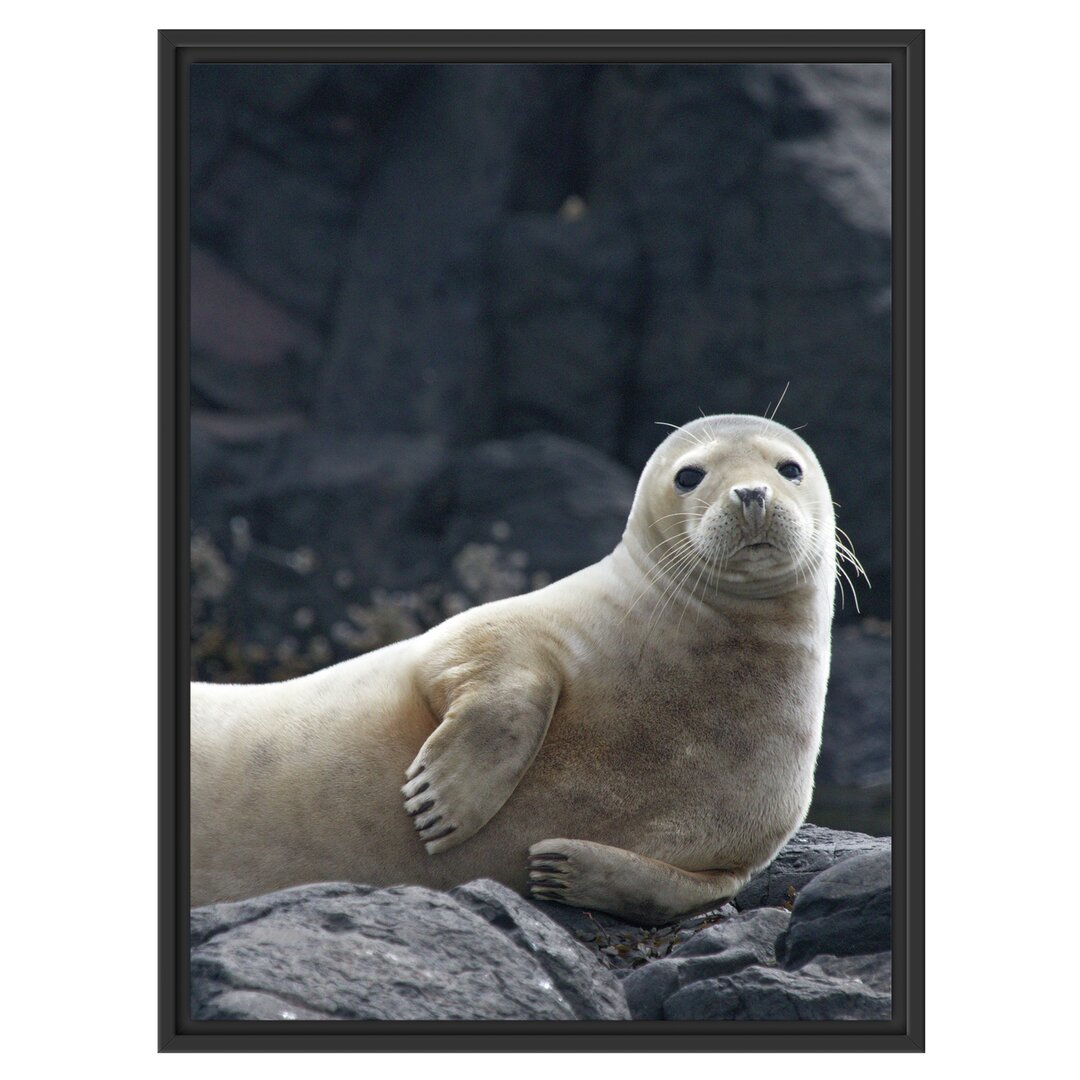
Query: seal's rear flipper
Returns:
{"type": "Point", "coordinates": [646, 891]}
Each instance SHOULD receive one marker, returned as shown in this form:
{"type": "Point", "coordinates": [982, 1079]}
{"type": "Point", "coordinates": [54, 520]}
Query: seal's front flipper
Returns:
{"type": "Point", "coordinates": [645, 891]}
{"type": "Point", "coordinates": [469, 766]}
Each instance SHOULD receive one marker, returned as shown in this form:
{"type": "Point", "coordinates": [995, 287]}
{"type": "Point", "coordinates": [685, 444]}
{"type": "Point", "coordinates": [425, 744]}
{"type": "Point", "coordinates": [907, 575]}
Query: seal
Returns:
{"type": "Point", "coordinates": [638, 738]}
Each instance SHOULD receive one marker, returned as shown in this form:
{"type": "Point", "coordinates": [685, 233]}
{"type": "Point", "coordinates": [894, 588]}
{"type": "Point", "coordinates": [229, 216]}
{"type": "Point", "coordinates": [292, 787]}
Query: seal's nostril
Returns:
{"type": "Point", "coordinates": [748, 496]}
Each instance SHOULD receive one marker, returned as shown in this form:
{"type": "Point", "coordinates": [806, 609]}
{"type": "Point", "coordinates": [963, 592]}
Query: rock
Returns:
{"type": "Point", "coordinates": [739, 941]}
{"type": "Point", "coordinates": [844, 911]}
{"type": "Point", "coordinates": [873, 970]}
{"type": "Point", "coordinates": [567, 293]}
{"type": "Point", "coordinates": [308, 524]}
{"type": "Point", "coordinates": [856, 747]}
{"type": "Point", "coordinates": [480, 951]}
{"type": "Point", "coordinates": [338, 544]}
{"type": "Point", "coordinates": [762, 993]}
{"type": "Point", "coordinates": [238, 335]}
{"type": "Point", "coordinates": [828, 960]}
{"type": "Point", "coordinates": [560, 504]}
{"type": "Point", "coordinates": [410, 346]}
{"type": "Point", "coordinates": [588, 990]}
{"type": "Point", "coordinates": [339, 951]}
{"type": "Point", "coordinates": [326, 121]}
{"type": "Point", "coordinates": [809, 852]}
{"type": "Point", "coordinates": [853, 781]}
{"type": "Point", "coordinates": [624, 947]}
{"type": "Point", "coordinates": [283, 231]}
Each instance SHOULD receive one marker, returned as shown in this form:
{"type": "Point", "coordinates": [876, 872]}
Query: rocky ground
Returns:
{"type": "Point", "coordinates": [809, 938]}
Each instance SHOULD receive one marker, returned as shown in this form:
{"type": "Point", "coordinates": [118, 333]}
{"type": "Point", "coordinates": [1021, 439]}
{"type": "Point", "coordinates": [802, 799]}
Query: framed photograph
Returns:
{"type": "Point", "coordinates": [541, 540]}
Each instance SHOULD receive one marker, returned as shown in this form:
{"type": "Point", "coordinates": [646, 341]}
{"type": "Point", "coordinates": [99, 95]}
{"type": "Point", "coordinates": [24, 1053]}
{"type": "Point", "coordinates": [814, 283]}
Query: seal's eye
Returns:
{"type": "Point", "coordinates": [688, 479]}
{"type": "Point", "coordinates": [790, 470]}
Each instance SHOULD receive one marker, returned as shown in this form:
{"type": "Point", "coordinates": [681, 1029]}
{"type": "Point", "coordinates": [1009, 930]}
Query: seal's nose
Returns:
{"type": "Point", "coordinates": [754, 501]}
{"type": "Point", "coordinates": [748, 496]}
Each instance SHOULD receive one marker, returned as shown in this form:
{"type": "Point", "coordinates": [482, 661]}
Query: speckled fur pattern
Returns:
{"type": "Point", "coordinates": [639, 737]}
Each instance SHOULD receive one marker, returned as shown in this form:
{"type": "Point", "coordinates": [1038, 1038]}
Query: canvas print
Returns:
{"type": "Point", "coordinates": [540, 542]}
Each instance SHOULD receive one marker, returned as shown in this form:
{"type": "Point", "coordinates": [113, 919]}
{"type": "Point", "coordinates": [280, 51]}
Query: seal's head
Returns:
{"type": "Point", "coordinates": [735, 504]}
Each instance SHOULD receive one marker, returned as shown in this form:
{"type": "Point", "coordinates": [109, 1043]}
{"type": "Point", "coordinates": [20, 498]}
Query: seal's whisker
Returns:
{"type": "Point", "coordinates": [678, 513]}
{"type": "Point", "coordinates": [680, 430]}
{"type": "Point", "coordinates": [799, 559]}
{"type": "Point", "coordinates": [668, 540]}
{"type": "Point", "coordinates": [850, 558]}
{"type": "Point", "coordinates": [658, 609]}
{"type": "Point", "coordinates": [844, 536]}
{"type": "Point", "coordinates": [705, 590]}
{"type": "Point", "coordinates": [664, 560]}
{"type": "Point", "coordinates": [664, 564]}
{"type": "Point", "coordinates": [687, 542]}
{"type": "Point", "coordinates": [845, 549]}
{"type": "Point", "coordinates": [657, 571]}
{"type": "Point", "coordinates": [780, 402]}
{"type": "Point", "coordinates": [680, 574]}
{"type": "Point", "coordinates": [693, 593]}
{"type": "Point", "coordinates": [843, 591]}
{"type": "Point", "coordinates": [689, 569]}
{"type": "Point", "coordinates": [854, 596]}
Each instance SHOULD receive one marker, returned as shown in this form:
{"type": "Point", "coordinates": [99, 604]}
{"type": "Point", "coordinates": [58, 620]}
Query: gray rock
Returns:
{"type": "Point", "coordinates": [587, 988]}
{"type": "Point", "coordinates": [283, 231]}
{"type": "Point", "coordinates": [335, 951]}
{"type": "Point", "coordinates": [763, 993]}
{"type": "Point", "coordinates": [624, 947]}
{"type": "Point", "coordinates": [810, 851]}
{"type": "Point", "coordinates": [874, 970]}
{"type": "Point", "coordinates": [738, 942]}
{"type": "Point", "coordinates": [338, 951]}
{"type": "Point", "coordinates": [844, 911]}
{"type": "Point", "coordinates": [256, 1005]}
{"type": "Point", "coordinates": [414, 306]}
{"type": "Point", "coordinates": [235, 325]}
{"type": "Point", "coordinates": [559, 503]}
{"type": "Point", "coordinates": [856, 746]}
{"type": "Point", "coordinates": [339, 543]}
{"type": "Point", "coordinates": [567, 292]}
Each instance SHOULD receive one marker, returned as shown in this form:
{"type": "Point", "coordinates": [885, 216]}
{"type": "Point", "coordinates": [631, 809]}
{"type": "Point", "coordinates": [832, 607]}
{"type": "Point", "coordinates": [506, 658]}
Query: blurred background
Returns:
{"type": "Point", "coordinates": [438, 310]}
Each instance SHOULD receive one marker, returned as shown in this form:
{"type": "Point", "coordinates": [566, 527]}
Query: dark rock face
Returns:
{"type": "Point", "coordinates": [567, 307]}
{"type": "Point", "coordinates": [838, 992]}
{"type": "Point", "coordinates": [829, 959]}
{"type": "Point", "coordinates": [338, 951]}
{"type": "Point", "coordinates": [624, 947]}
{"type": "Point", "coordinates": [462, 254]}
{"type": "Point", "coordinates": [844, 911]}
{"type": "Point", "coordinates": [809, 852]}
{"type": "Point", "coordinates": [480, 951]}
{"type": "Point", "coordinates": [857, 742]}
{"type": "Point", "coordinates": [741, 941]}
{"type": "Point", "coordinates": [338, 545]}
{"type": "Point", "coordinates": [589, 994]}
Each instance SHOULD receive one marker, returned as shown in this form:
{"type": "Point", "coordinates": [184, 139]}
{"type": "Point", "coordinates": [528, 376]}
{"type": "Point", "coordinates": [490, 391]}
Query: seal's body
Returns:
{"type": "Point", "coordinates": [638, 737]}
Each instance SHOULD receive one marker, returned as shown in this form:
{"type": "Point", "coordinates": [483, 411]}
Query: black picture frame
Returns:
{"type": "Point", "coordinates": [904, 50]}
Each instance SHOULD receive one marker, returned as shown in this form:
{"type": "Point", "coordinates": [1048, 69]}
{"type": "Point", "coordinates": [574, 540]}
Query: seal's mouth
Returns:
{"type": "Point", "coordinates": [757, 551]}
